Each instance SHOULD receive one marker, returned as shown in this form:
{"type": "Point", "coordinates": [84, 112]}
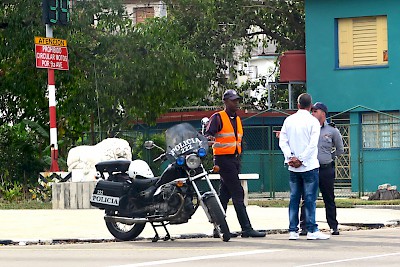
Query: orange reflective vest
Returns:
{"type": "Point", "coordinates": [226, 142]}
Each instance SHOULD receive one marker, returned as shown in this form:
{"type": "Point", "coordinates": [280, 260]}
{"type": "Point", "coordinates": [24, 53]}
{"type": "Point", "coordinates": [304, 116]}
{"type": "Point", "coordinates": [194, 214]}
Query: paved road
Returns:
{"type": "Point", "coordinates": [48, 225]}
{"type": "Point", "coordinates": [378, 247]}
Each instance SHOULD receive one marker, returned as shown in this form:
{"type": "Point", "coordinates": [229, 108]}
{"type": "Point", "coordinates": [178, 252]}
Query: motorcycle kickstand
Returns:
{"type": "Point", "coordinates": [157, 237]}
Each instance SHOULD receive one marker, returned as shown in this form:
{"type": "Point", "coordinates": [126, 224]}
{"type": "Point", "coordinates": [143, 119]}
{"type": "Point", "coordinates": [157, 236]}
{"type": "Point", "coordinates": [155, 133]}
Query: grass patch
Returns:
{"type": "Point", "coordinates": [340, 202]}
{"type": "Point", "coordinates": [346, 202]}
{"type": "Point", "coordinates": [27, 204]}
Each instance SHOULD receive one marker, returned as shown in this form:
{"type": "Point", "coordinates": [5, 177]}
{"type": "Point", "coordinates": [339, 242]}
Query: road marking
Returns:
{"type": "Point", "coordinates": [28, 248]}
{"type": "Point", "coordinates": [234, 254]}
{"type": "Point", "coordinates": [346, 260]}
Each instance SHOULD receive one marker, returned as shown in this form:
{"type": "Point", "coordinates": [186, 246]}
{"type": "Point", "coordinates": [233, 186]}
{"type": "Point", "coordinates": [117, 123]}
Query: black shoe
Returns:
{"type": "Point", "coordinates": [216, 234]}
{"type": "Point", "coordinates": [253, 233]}
{"type": "Point", "coordinates": [303, 232]}
{"type": "Point", "coordinates": [234, 234]}
{"type": "Point", "coordinates": [335, 231]}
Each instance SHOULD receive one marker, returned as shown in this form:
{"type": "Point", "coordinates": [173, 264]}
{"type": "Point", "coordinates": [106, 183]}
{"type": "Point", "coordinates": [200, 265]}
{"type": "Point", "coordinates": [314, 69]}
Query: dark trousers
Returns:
{"type": "Point", "coordinates": [326, 186]}
{"type": "Point", "coordinates": [230, 186]}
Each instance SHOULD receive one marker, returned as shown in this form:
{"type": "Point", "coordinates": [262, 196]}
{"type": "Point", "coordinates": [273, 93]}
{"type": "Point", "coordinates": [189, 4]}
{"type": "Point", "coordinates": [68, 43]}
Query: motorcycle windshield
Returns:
{"type": "Point", "coordinates": [183, 139]}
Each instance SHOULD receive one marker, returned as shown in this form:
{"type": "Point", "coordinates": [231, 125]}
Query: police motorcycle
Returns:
{"type": "Point", "coordinates": [131, 196]}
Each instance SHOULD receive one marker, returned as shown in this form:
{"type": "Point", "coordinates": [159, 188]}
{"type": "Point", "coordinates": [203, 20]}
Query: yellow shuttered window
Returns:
{"type": "Point", "coordinates": [362, 41]}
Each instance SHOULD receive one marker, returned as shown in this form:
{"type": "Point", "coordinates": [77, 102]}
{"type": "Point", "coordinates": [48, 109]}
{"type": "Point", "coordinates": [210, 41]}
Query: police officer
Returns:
{"type": "Point", "coordinates": [330, 145]}
{"type": "Point", "coordinates": [225, 128]}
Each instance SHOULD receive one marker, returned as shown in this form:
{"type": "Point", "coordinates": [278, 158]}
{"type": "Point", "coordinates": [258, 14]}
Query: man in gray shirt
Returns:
{"type": "Point", "coordinates": [330, 145]}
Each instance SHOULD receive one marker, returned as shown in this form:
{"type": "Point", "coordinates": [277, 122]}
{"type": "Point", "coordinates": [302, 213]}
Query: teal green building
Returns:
{"type": "Point", "coordinates": [353, 66]}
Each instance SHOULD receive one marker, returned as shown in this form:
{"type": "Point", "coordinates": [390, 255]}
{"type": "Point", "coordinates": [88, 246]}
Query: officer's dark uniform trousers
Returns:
{"type": "Point", "coordinates": [326, 186]}
{"type": "Point", "coordinates": [230, 187]}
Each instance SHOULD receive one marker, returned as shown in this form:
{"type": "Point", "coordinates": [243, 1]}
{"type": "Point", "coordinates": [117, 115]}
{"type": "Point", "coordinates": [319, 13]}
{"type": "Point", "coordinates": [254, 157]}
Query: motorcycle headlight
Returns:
{"type": "Point", "coordinates": [193, 161]}
{"type": "Point", "coordinates": [201, 152]}
{"type": "Point", "coordinates": [180, 161]}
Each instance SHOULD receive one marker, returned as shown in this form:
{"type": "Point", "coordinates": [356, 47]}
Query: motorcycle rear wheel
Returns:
{"type": "Point", "coordinates": [125, 232]}
{"type": "Point", "coordinates": [218, 218]}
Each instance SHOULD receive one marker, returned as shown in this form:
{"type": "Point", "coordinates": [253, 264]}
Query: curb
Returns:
{"type": "Point", "coordinates": [22, 242]}
{"type": "Point", "coordinates": [374, 225]}
{"type": "Point", "coordinates": [393, 207]}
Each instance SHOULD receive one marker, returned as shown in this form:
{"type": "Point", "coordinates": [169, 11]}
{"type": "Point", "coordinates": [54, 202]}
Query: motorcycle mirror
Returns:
{"type": "Point", "coordinates": [148, 144]}
{"type": "Point", "coordinates": [204, 121]}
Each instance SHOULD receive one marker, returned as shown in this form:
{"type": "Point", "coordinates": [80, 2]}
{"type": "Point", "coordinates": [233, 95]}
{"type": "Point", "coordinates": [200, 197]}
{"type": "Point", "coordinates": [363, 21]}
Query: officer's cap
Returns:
{"type": "Point", "coordinates": [321, 106]}
{"type": "Point", "coordinates": [231, 95]}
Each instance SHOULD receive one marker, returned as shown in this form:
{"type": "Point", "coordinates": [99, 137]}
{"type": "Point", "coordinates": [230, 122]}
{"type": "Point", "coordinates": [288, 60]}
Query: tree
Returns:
{"type": "Point", "coordinates": [23, 87]}
{"type": "Point", "coordinates": [22, 94]}
{"type": "Point", "coordinates": [215, 28]}
{"type": "Point", "coordinates": [118, 72]}
{"type": "Point", "coordinates": [153, 70]}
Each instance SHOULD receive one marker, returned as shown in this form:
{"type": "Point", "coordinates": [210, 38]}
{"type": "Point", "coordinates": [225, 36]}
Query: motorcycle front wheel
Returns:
{"type": "Point", "coordinates": [125, 232]}
{"type": "Point", "coordinates": [218, 218]}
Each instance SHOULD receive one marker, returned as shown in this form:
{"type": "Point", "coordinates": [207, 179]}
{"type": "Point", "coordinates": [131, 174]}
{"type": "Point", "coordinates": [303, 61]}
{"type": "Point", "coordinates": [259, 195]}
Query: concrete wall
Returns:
{"type": "Point", "coordinates": [341, 89]}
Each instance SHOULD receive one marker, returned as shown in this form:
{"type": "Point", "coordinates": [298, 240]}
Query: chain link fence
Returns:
{"type": "Point", "coordinates": [372, 154]}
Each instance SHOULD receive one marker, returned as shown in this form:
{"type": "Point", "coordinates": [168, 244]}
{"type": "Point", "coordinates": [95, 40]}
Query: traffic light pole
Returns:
{"type": "Point", "coordinates": [51, 87]}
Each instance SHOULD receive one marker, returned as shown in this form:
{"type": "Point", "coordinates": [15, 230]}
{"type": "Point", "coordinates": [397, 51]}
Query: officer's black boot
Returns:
{"type": "Point", "coordinates": [244, 221]}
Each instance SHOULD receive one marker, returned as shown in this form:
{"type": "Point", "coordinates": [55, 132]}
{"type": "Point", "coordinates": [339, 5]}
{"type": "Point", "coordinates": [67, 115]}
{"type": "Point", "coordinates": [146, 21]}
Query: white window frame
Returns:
{"type": "Point", "coordinates": [380, 130]}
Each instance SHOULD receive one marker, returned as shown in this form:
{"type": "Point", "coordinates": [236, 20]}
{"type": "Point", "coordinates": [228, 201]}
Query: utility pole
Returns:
{"type": "Point", "coordinates": [55, 12]}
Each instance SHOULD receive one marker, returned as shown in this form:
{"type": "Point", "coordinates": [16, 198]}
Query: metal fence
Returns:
{"type": "Point", "coordinates": [261, 154]}
{"type": "Point", "coordinates": [372, 146]}
{"type": "Point", "coordinates": [371, 155]}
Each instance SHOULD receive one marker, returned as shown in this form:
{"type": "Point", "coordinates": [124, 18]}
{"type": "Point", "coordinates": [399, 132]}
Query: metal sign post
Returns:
{"type": "Point", "coordinates": [52, 54]}
{"type": "Point", "coordinates": [51, 87]}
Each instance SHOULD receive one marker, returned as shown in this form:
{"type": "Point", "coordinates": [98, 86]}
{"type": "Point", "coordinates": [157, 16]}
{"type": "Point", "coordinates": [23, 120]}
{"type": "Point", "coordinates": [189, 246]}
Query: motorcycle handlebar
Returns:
{"type": "Point", "coordinates": [162, 156]}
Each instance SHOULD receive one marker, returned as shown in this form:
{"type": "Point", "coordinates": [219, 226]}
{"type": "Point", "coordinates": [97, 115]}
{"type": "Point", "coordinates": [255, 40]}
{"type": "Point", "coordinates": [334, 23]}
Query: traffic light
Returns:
{"type": "Point", "coordinates": [56, 11]}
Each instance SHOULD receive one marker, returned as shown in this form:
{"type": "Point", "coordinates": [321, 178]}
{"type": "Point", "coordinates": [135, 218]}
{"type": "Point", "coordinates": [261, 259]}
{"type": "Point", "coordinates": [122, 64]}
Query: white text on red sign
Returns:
{"type": "Point", "coordinates": [51, 57]}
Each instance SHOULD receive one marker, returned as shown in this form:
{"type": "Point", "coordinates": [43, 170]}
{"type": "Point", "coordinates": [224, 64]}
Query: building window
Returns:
{"type": "Point", "coordinates": [362, 41]}
{"type": "Point", "coordinates": [381, 130]}
{"type": "Point", "coordinates": [143, 13]}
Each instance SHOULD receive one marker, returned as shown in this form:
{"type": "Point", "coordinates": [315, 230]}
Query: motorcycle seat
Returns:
{"type": "Point", "coordinates": [112, 166]}
{"type": "Point", "coordinates": [144, 183]}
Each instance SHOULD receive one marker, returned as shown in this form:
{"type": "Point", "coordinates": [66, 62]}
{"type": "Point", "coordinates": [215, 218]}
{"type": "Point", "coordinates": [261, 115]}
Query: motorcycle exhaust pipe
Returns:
{"type": "Point", "coordinates": [125, 220]}
{"type": "Point", "coordinates": [131, 221]}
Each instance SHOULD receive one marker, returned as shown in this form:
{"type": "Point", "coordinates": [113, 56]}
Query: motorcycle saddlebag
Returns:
{"type": "Point", "coordinates": [110, 195]}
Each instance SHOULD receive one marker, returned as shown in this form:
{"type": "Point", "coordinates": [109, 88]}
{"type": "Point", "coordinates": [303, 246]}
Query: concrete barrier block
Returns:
{"type": "Point", "coordinates": [72, 195]}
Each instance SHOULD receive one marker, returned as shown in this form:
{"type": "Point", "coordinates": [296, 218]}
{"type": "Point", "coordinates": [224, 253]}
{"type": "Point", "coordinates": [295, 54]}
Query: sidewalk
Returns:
{"type": "Point", "coordinates": [88, 224]}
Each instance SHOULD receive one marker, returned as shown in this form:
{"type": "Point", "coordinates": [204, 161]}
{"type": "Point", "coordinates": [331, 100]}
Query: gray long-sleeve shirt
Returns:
{"type": "Point", "coordinates": [329, 138]}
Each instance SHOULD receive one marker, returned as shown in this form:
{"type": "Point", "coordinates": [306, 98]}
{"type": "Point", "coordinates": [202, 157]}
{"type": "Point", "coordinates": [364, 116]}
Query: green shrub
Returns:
{"type": "Point", "coordinates": [20, 157]}
{"type": "Point", "coordinates": [11, 191]}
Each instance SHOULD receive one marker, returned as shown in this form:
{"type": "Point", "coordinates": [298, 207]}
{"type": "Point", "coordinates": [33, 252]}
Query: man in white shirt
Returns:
{"type": "Point", "coordinates": [299, 143]}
